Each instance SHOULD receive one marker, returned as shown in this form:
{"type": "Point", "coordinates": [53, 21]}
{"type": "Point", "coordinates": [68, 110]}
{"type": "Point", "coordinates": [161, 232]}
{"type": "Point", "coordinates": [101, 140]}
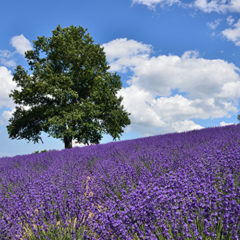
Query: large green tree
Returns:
{"type": "Point", "coordinates": [67, 91]}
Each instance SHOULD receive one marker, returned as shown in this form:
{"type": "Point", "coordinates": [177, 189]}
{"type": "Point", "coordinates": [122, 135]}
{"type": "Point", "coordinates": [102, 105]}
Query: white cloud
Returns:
{"type": "Point", "coordinates": [141, 105]}
{"type": "Point", "coordinates": [230, 20]}
{"type": "Point", "coordinates": [219, 6]}
{"type": "Point", "coordinates": [186, 125]}
{"type": "Point", "coordinates": [123, 53]}
{"type": "Point", "coordinates": [197, 76]}
{"type": "Point", "coordinates": [225, 124]}
{"type": "Point", "coordinates": [233, 34]}
{"type": "Point", "coordinates": [7, 114]}
{"type": "Point", "coordinates": [6, 86]}
{"type": "Point", "coordinates": [152, 3]}
{"type": "Point", "coordinates": [75, 143]}
{"type": "Point", "coordinates": [167, 92]}
{"type": "Point", "coordinates": [150, 116]}
{"type": "Point", "coordinates": [21, 44]}
{"type": "Point", "coordinates": [230, 90]}
{"type": "Point", "coordinates": [213, 25]}
{"type": "Point", "coordinates": [6, 54]}
{"type": "Point", "coordinates": [6, 58]}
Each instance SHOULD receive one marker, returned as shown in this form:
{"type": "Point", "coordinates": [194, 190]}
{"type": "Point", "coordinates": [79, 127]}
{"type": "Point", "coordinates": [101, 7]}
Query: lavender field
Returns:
{"type": "Point", "coordinates": [174, 186]}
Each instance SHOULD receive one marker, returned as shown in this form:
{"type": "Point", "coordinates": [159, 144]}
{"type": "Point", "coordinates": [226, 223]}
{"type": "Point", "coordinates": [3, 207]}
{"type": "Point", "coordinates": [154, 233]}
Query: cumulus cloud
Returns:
{"type": "Point", "coordinates": [167, 92]}
{"type": "Point", "coordinates": [186, 125]}
{"type": "Point", "coordinates": [199, 77]}
{"type": "Point", "coordinates": [153, 3]}
{"type": "Point", "coordinates": [208, 6]}
{"type": "Point", "coordinates": [219, 6]}
{"type": "Point", "coordinates": [225, 123]}
{"type": "Point", "coordinates": [230, 20]}
{"type": "Point", "coordinates": [213, 25]}
{"type": "Point", "coordinates": [230, 90]}
{"type": "Point", "coordinates": [21, 44]}
{"type": "Point", "coordinates": [123, 53]}
{"type": "Point", "coordinates": [6, 86]}
{"type": "Point", "coordinates": [75, 143]}
{"type": "Point", "coordinates": [233, 34]}
{"type": "Point", "coordinates": [6, 58]}
{"type": "Point", "coordinates": [6, 115]}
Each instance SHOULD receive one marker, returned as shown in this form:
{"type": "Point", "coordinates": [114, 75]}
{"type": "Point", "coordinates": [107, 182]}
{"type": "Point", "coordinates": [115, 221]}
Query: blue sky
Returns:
{"type": "Point", "coordinates": [179, 61]}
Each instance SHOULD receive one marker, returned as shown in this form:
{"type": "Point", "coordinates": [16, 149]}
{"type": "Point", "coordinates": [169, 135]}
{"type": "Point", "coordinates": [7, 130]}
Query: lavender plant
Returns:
{"type": "Point", "coordinates": [174, 186]}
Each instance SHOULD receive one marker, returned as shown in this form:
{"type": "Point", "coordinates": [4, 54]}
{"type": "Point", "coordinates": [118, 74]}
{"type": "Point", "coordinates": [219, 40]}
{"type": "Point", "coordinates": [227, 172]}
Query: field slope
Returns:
{"type": "Point", "coordinates": [174, 186]}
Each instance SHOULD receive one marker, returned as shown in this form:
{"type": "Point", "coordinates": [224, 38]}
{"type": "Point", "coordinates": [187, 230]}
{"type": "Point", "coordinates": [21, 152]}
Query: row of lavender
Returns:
{"type": "Point", "coordinates": [175, 186]}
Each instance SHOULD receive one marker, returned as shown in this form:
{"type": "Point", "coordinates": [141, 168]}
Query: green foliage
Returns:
{"type": "Point", "coordinates": [40, 151]}
{"type": "Point", "coordinates": [67, 91]}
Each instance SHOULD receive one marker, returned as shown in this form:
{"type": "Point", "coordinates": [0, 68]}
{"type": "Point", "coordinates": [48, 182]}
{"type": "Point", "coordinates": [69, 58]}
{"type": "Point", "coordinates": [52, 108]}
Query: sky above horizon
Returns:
{"type": "Point", "coordinates": [179, 60]}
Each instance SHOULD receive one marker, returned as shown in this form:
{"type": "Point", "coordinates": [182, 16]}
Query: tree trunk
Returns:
{"type": "Point", "coordinates": [68, 141]}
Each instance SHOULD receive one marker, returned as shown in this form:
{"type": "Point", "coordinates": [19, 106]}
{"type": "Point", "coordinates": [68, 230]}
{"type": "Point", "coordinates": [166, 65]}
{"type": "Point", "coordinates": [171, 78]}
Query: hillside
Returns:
{"type": "Point", "coordinates": [173, 186]}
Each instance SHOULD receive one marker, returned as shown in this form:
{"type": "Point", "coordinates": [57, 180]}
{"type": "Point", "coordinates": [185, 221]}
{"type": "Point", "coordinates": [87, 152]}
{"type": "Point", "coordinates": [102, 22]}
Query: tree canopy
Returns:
{"type": "Point", "coordinates": [67, 91]}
